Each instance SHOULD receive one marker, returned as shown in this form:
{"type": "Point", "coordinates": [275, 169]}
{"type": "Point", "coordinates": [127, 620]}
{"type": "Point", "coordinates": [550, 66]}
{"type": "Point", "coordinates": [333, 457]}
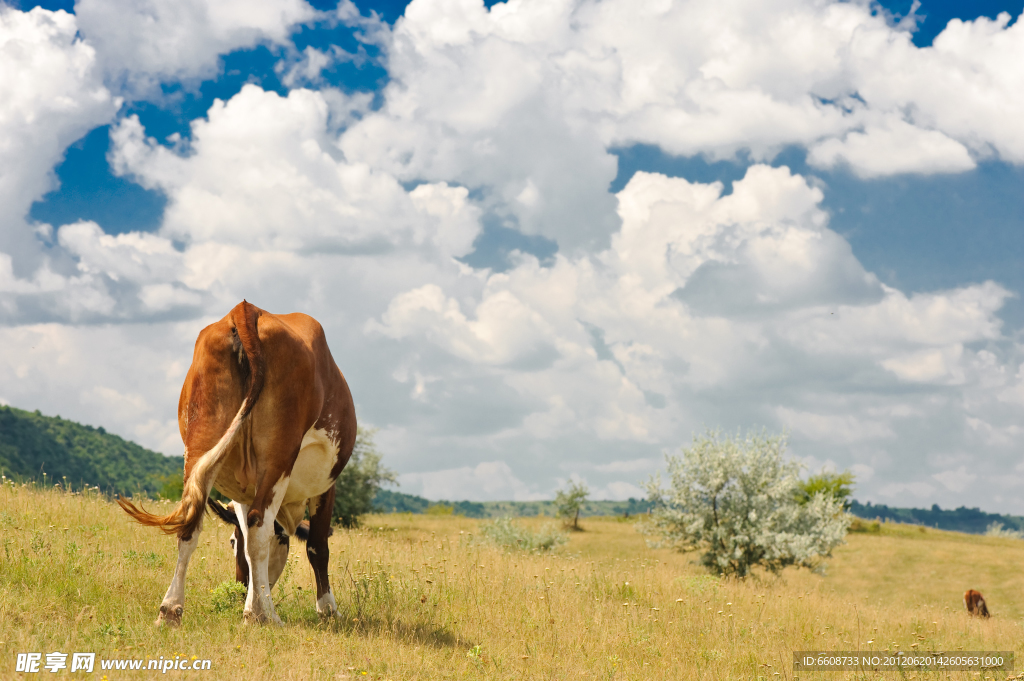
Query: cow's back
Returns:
{"type": "Point", "coordinates": [212, 392]}
{"type": "Point", "coordinates": [305, 402]}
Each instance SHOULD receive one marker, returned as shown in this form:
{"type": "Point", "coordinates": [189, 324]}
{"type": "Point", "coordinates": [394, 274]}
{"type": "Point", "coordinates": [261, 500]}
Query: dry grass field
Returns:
{"type": "Point", "coordinates": [423, 598]}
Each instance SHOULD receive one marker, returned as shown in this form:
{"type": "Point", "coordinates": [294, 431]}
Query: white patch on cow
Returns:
{"type": "Point", "coordinates": [259, 606]}
{"type": "Point", "coordinates": [311, 474]}
{"type": "Point", "coordinates": [325, 605]}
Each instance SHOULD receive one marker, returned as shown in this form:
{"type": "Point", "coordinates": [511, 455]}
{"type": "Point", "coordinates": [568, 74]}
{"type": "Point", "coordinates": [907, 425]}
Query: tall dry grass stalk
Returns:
{"type": "Point", "coordinates": [422, 598]}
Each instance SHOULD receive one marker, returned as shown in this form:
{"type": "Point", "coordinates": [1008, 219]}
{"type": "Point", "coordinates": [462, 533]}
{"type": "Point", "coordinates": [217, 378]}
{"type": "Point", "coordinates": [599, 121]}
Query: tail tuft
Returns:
{"type": "Point", "coordinates": [184, 516]}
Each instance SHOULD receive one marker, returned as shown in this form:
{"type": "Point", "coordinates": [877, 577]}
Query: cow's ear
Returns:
{"type": "Point", "coordinates": [224, 513]}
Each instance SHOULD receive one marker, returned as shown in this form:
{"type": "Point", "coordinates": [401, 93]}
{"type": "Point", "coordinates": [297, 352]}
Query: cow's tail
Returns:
{"type": "Point", "coordinates": [187, 515]}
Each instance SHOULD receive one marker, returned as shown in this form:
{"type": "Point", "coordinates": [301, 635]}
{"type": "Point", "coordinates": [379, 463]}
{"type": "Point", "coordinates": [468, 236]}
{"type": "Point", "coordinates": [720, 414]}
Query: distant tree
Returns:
{"type": "Point", "coordinates": [736, 500]}
{"type": "Point", "coordinates": [173, 487]}
{"type": "Point", "coordinates": [441, 508]}
{"type": "Point", "coordinates": [360, 480]}
{"type": "Point", "coordinates": [839, 486]}
{"type": "Point", "coordinates": [569, 501]}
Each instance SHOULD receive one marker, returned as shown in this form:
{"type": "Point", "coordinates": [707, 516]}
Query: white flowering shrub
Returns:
{"type": "Point", "coordinates": [996, 529]}
{"type": "Point", "coordinates": [738, 501]}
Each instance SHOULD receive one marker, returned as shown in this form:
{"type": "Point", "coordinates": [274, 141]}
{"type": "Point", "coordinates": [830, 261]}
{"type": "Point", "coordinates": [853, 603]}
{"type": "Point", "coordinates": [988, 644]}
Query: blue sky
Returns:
{"type": "Point", "coordinates": [511, 212]}
{"type": "Point", "coordinates": [916, 233]}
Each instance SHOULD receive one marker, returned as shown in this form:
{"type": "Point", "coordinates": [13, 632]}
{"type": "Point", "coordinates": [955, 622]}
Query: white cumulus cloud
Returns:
{"type": "Point", "coordinates": [670, 306]}
{"type": "Point", "coordinates": [51, 93]}
{"type": "Point", "coordinates": [144, 42]}
{"type": "Point", "coordinates": [892, 147]}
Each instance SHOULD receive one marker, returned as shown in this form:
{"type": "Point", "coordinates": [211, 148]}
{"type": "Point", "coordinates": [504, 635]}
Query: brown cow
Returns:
{"type": "Point", "coordinates": [975, 603]}
{"type": "Point", "coordinates": [267, 418]}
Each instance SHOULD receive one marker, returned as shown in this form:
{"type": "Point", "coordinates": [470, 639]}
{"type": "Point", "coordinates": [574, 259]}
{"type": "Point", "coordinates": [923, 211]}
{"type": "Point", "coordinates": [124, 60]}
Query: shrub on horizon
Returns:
{"type": "Point", "coordinates": [440, 509]}
{"type": "Point", "coordinates": [359, 481]}
{"type": "Point", "coordinates": [736, 499]}
{"type": "Point", "coordinates": [996, 529]}
{"type": "Point", "coordinates": [508, 533]}
{"type": "Point", "coordinates": [862, 525]}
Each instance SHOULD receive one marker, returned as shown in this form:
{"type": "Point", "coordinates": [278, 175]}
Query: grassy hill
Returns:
{"type": "Point", "coordinates": [969, 520]}
{"type": "Point", "coordinates": [32, 444]}
{"type": "Point", "coordinates": [421, 597]}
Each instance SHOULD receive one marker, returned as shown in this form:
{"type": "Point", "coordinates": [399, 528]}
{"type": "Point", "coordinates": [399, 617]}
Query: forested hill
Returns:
{"type": "Point", "coordinates": [32, 444]}
{"type": "Point", "coordinates": [963, 519]}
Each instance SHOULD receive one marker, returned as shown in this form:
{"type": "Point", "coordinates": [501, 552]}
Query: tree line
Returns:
{"type": "Point", "coordinates": [963, 519]}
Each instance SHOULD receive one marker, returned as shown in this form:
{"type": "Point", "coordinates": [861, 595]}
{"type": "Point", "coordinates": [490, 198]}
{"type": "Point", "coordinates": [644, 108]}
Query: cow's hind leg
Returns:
{"type": "Point", "coordinates": [259, 607]}
{"type": "Point", "coordinates": [173, 604]}
{"type": "Point", "coordinates": [321, 509]}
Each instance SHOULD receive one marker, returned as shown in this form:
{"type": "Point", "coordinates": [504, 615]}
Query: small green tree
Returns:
{"type": "Point", "coordinates": [736, 500]}
{"type": "Point", "coordinates": [568, 501]}
{"type": "Point", "coordinates": [358, 483]}
{"type": "Point", "coordinates": [839, 486]}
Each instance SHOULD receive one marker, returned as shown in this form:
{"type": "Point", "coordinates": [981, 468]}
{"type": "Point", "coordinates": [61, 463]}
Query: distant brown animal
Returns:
{"type": "Point", "coordinates": [267, 417]}
{"type": "Point", "coordinates": [975, 603]}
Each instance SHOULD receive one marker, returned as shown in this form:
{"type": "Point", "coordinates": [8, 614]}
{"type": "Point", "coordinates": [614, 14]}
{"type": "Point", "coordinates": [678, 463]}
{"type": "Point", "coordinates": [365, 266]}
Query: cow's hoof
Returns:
{"type": "Point", "coordinates": [260, 618]}
{"type": "Point", "coordinates": [170, 616]}
{"type": "Point", "coordinates": [329, 615]}
{"type": "Point", "coordinates": [326, 606]}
